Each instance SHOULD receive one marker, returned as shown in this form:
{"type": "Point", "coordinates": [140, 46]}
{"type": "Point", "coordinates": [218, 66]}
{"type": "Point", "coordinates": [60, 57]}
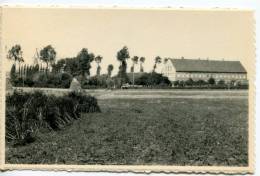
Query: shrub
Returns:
{"type": "Point", "coordinates": [29, 82]}
{"type": "Point", "coordinates": [201, 82]}
{"type": "Point", "coordinates": [28, 113]}
{"type": "Point", "coordinates": [35, 78]}
{"type": "Point", "coordinates": [19, 127]}
{"type": "Point", "coordinates": [153, 79]}
{"type": "Point", "coordinates": [66, 79]}
{"type": "Point", "coordinates": [189, 82]}
{"type": "Point", "coordinates": [41, 80]}
{"type": "Point", "coordinates": [22, 116]}
{"type": "Point", "coordinates": [176, 83]}
{"type": "Point", "coordinates": [211, 81]}
{"type": "Point", "coordinates": [86, 103]}
{"type": "Point", "coordinates": [221, 82]}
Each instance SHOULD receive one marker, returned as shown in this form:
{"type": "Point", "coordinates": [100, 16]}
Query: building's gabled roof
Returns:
{"type": "Point", "coordinates": [214, 66]}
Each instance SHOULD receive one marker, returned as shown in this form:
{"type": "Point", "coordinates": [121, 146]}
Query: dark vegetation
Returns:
{"type": "Point", "coordinates": [153, 79]}
{"type": "Point", "coordinates": [164, 131]}
{"type": "Point", "coordinates": [34, 76]}
{"type": "Point", "coordinates": [211, 83]}
{"type": "Point", "coordinates": [62, 72]}
{"type": "Point", "coordinates": [28, 114]}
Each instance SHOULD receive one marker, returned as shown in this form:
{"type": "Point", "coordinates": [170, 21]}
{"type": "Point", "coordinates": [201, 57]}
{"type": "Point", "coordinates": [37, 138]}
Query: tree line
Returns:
{"type": "Point", "coordinates": [59, 73]}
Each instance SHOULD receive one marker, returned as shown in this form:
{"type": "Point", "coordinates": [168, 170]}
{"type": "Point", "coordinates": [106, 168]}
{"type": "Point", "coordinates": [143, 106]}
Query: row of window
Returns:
{"type": "Point", "coordinates": [187, 75]}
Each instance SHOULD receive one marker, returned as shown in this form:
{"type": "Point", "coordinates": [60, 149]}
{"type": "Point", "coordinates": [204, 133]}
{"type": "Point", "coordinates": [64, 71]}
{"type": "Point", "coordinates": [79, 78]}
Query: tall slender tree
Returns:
{"type": "Point", "coordinates": [85, 58]}
{"type": "Point", "coordinates": [48, 55]}
{"type": "Point", "coordinates": [13, 74]}
{"type": "Point", "coordinates": [25, 69]}
{"type": "Point", "coordinates": [98, 60]}
{"type": "Point", "coordinates": [142, 59]}
{"type": "Point", "coordinates": [110, 69]}
{"type": "Point", "coordinates": [134, 62]}
{"type": "Point", "coordinates": [157, 60]}
{"type": "Point", "coordinates": [122, 56]}
{"type": "Point", "coordinates": [21, 71]}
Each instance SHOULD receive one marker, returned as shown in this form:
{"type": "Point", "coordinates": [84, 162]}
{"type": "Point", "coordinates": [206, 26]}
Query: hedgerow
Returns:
{"type": "Point", "coordinates": [29, 113]}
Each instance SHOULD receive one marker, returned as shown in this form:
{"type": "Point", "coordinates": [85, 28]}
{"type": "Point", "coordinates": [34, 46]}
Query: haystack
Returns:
{"type": "Point", "coordinates": [75, 85]}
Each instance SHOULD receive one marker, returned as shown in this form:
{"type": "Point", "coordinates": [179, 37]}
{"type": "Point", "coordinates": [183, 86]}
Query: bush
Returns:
{"type": "Point", "coordinates": [211, 81]}
{"type": "Point", "coordinates": [23, 118]}
{"type": "Point", "coordinates": [85, 103]}
{"type": "Point", "coordinates": [153, 79]}
{"type": "Point", "coordinates": [66, 79]}
{"type": "Point", "coordinates": [221, 82]}
{"type": "Point", "coordinates": [189, 82]}
{"type": "Point", "coordinates": [43, 79]}
{"type": "Point", "coordinates": [28, 113]}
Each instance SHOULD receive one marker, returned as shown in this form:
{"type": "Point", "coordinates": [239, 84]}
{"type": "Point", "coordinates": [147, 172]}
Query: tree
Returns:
{"type": "Point", "coordinates": [15, 53]}
{"type": "Point", "coordinates": [48, 55]}
{"type": "Point", "coordinates": [13, 74]}
{"type": "Point", "coordinates": [157, 60]}
{"type": "Point", "coordinates": [122, 56]}
{"type": "Point", "coordinates": [109, 70]}
{"type": "Point", "coordinates": [85, 58]}
{"type": "Point", "coordinates": [211, 81]}
{"type": "Point", "coordinates": [142, 59]}
{"type": "Point", "coordinates": [70, 65]}
{"type": "Point", "coordinates": [25, 69]}
{"type": "Point", "coordinates": [66, 79]}
{"type": "Point", "coordinates": [135, 61]}
{"type": "Point", "coordinates": [36, 68]}
{"type": "Point", "coordinates": [59, 66]}
{"type": "Point", "coordinates": [165, 60]}
{"type": "Point", "coordinates": [98, 60]}
{"type": "Point", "coordinates": [21, 71]}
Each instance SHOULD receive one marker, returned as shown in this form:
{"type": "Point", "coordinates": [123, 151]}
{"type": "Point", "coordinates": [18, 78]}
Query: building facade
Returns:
{"type": "Point", "coordinates": [197, 69]}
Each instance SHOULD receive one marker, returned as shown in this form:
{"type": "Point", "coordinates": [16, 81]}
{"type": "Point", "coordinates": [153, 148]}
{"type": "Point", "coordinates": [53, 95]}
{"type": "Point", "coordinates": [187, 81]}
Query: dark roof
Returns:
{"type": "Point", "coordinates": [213, 66]}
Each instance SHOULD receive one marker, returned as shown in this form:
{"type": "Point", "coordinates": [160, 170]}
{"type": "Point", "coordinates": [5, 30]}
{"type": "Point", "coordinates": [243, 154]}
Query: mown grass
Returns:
{"type": "Point", "coordinates": [147, 131]}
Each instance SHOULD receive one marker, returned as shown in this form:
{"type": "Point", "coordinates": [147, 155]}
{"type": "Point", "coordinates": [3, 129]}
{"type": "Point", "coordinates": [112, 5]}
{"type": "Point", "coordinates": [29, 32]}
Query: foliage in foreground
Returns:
{"type": "Point", "coordinates": [28, 113]}
{"type": "Point", "coordinates": [166, 131]}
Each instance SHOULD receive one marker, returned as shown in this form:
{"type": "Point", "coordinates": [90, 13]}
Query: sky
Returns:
{"type": "Point", "coordinates": [172, 33]}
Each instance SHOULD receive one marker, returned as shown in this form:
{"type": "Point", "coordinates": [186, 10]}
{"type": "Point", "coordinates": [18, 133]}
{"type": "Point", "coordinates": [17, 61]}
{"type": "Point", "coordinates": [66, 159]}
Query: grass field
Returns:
{"type": "Point", "coordinates": [149, 127]}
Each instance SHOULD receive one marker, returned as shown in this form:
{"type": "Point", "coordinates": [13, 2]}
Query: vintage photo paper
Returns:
{"type": "Point", "coordinates": [124, 89]}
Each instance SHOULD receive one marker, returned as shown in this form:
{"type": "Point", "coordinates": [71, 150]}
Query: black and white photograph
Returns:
{"type": "Point", "coordinates": [128, 87]}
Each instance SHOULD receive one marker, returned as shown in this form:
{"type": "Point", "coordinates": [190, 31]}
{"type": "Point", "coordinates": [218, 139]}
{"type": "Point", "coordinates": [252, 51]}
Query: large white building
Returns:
{"type": "Point", "coordinates": [197, 69]}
